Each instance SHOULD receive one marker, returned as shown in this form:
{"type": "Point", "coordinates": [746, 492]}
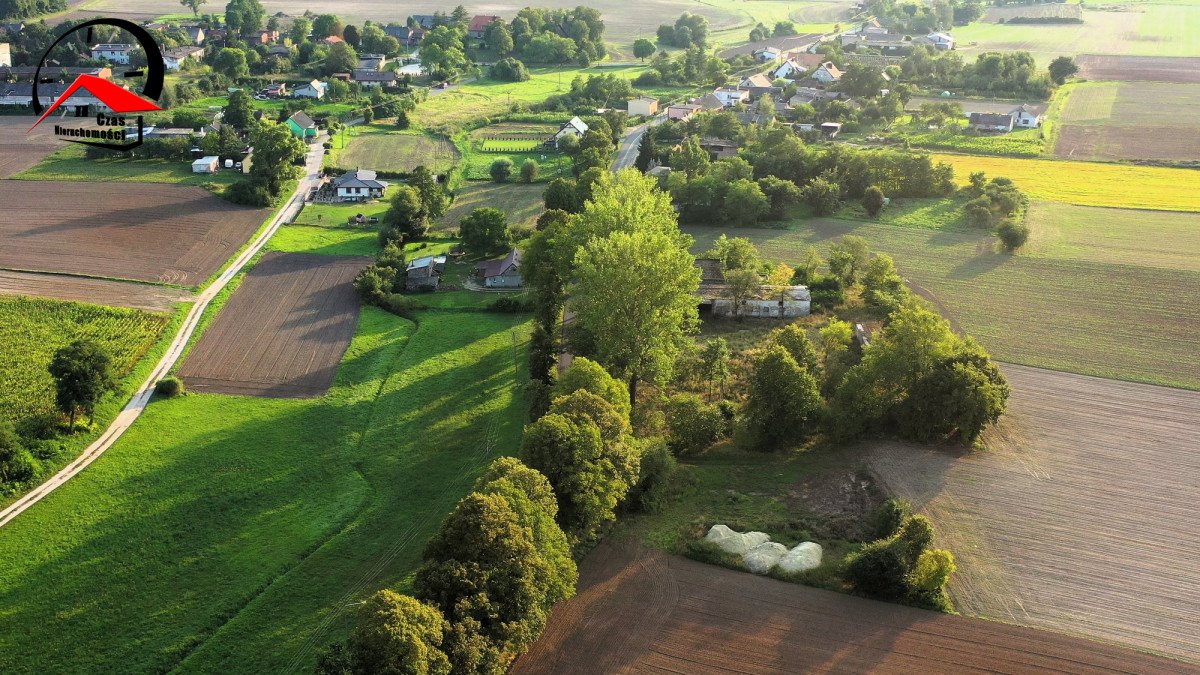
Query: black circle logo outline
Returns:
{"type": "Point", "coordinates": [152, 88]}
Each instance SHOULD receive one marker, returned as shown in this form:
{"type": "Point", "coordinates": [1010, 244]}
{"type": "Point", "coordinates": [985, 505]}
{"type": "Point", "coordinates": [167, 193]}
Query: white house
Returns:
{"type": "Point", "coordinates": [790, 70]}
{"type": "Point", "coordinates": [174, 58]}
{"type": "Point", "coordinates": [576, 127]}
{"type": "Point", "coordinates": [768, 54]}
{"type": "Point", "coordinates": [827, 73]}
{"type": "Point", "coordinates": [208, 164]}
{"type": "Point", "coordinates": [643, 105]}
{"type": "Point", "coordinates": [116, 53]}
{"type": "Point", "coordinates": [503, 273]}
{"type": "Point", "coordinates": [941, 41]}
{"type": "Point", "coordinates": [358, 185]}
{"type": "Point", "coordinates": [314, 89]}
{"type": "Point", "coordinates": [1026, 116]}
{"type": "Point", "coordinates": [731, 95]}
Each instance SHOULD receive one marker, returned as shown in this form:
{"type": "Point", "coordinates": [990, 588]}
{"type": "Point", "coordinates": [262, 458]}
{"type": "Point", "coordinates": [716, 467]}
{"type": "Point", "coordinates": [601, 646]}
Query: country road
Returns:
{"type": "Point", "coordinates": [137, 404]}
{"type": "Point", "coordinates": [628, 150]}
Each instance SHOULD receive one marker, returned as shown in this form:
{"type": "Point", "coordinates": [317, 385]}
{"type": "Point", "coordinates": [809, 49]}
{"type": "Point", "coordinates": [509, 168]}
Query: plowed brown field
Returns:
{"type": "Point", "coordinates": [1139, 68]}
{"type": "Point", "coordinates": [96, 291]}
{"type": "Point", "coordinates": [20, 150]}
{"type": "Point", "coordinates": [284, 330]}
{"type": "Point", "coordinates": [643, 611]}
{"type": "Point", "coordinates": [143, 231]}
{"type": "Point", "coordinates": [1080, 517]}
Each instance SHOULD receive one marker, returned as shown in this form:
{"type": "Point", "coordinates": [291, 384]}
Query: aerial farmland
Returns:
{"type": "Point", "coordinates": [765, 337]}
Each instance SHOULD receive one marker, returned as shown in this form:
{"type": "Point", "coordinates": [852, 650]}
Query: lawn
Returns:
{"type": "Point", "coordinates": [381, 147]}
{"type": "Point", "coordinates": [1072, 303]}
{"type": "Point", "coordinates": [235, 534]}
{"type": "Point", "coordinates": [271, 106]}
{"type": "Point", "coordinates": [522, 203]}
{"type": "Point", "coordinates": [323, 229]}
{"type": "Point", "coordinates": [69, 164]}
{"type": "Point", "coordinates": [477, 164]}
{"type": "Point", "coordinates": [1089, 183]}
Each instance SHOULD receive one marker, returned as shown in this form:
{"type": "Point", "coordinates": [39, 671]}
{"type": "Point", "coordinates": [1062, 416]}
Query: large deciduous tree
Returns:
{"type": "Point", "coordinates": [82, 373]}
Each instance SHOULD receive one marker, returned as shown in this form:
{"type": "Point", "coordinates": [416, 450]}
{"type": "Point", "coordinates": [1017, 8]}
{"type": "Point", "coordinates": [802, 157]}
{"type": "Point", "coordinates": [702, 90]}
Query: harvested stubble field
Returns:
{"type": "Point", "coordinates": [144, 231]}
{"type": "Point", "coordinates": [639, 610]}
{"type": "Point", "coordinates": [148, 297]}
{"type": "Point", "coordinates": [18, 150]}
{"type": "Point", "coordinates": [283, 332]}
{"type": "Point", "coordinates": [1130, 120]}
{"type": "Point", "coordinates": [1139, 68]}
{"type": "Point", "coordinates": [1080, 515]}
{"type": "Point", "coordinates": [1068, 309]}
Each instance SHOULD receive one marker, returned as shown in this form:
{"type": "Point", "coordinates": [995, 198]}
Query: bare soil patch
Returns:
{"type": "Point", "coordinates": [284, 330]}
{"type": "Point", "coordinates": [96, 291]}
{"type": "Point", "coordinates": [1139, 68]}
{"type": "Point", "coordinates": [843, 503]}
{"type": "Point", "coordinates": [639, 610]}
{"type": "Point", "coordinates": [20, 150]}
{"type": "Point", "coordinates": [1079, 517]}
{"type": "Point", "coordinates": [144, 231]}
{"type": "Point", "coordinates": [1143, 143]}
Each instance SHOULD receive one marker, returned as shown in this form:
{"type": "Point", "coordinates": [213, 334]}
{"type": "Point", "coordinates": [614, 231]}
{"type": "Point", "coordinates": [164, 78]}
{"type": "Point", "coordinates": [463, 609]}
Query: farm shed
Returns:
{"type": "Point", "coordinates": [719, 148]}
{"type": "Point", "coordinates": [208, 164]}
{"type": "Point", "coordinates": [502, 273]}
{"type": "Point", "coordinates": [991, 121]}
{"type": "Point", "coordinates": [643, 105]}
{"type": "Point", "coordinates": [424, 273]}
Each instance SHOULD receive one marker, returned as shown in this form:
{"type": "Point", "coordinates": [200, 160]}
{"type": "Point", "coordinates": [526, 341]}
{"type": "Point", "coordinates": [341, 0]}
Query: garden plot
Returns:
{"type": "Point", "coordinates": [144, 231]}
{"type": "Point", "coordinates": [1131, 120]}
{"type": "Point", "coordinates": [1080, 516]}
{"type": "Point", "coordinates": [638, 610]}
{"type": "Point", "coordinates": [283, 332]}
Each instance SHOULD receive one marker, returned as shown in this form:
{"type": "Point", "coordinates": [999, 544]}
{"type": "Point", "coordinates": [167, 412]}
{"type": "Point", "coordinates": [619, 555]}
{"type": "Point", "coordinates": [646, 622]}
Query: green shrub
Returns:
{"type": "Point", "coordinates": [501, 170]}
{"type": "Point", "coordinates": [655, 472]}
{"type": "Point", "coordinates": [1013, 235]}
{"type": "Point", "coordinates": [878, 570]}
{"type": "Point", "coordinates": [694, 424]}
{"type": "Point", "coordinates": [890, 516]}
{"type": "Point", "coordinates": [168, 387]}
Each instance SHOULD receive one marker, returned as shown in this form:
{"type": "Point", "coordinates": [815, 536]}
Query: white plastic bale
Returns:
{"type": "Point", "coordinates": [763, 557]}
{"type": "Point", "coordinates": [804, 557]}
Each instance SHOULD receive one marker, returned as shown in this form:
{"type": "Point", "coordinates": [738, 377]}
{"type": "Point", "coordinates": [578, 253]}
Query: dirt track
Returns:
{"type": "Point", "coordinates": [143, 231]}
{"type": "Point", "coordinates": [96, 291]}
{"type": "Point", "coordinates": [1139, 68]}
{"type": "Point", "coordinates": [642, 611]}
{"type": "Point", "coordinates": [1080, 517]}
{"type": "Point", "coordinates": [283, 332]}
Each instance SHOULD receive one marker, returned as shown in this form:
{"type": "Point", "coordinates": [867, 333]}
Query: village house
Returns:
{"type": "Point", "coordinates": [789, 70]}
{"type": "Point", "coordinates": [358, 185]}
{"type": "Point", "coordinates": [719, 148]}
{"type": "Point", "coordinates": [940, 41]}
{"type": "Point", "coordinates": [194, 33]}
{"type": "Point", "coordinates": [302, 126]}
{"type": "Point", "coordinates": [5, 54]}
{"type": "Point", "coordinates": [424, 273]}
{"type": "Point", "coordinates": [332, 40]}
{"type": "Point", "coordinates": [479, 25]}
{"type": "Point", "coordinates": [757, 85]}
{"type": "Point", "coordinates": [710, 101]}
{"type": "Point", "coordinates": [115, 53]}
{"type": "Point", "coordinates": [811, 95]}
{"type": "Point", "coordinates": [731, 96]}
{"type": "Point", "coordinates": [768, 54]}
{"type": "Point", "coordinates": [61, 73]}
{"type": "Point", "coordinates": [371, 61]}
{"type": "Point", "coordinates": [827, 73]}
{"type": "Point", "coordinates": [502, 273]}
{"type": "Point", "coordinates": [426, 21]}
{"type": "Point", "coordinates": [275, 90]}
{"type": "Point", "coordinates": [407, 37]}
{"type": "Point", "coordinates": [373, 78]}
{"type": "Point", "coordinates": [805, 59]}
{"type": "Point", "coordinates": [174, 58]}
{"type": "Point", "coordinates": [997, 122]}
{"type": "Point", "coordinates": [1026, 116]}
{"type": "Point", "coordinates": [682, 112]}
{"type": "Point", "coordinates": [265, 37]}
{"type": "Point", "coordinates": [575, 127]}
{"type": "Point", "coordinates": [279, 50]}
{"type": "Point", "coordinates": [314, 89]}
{"type": "Point", "coordinates": [645, 106]}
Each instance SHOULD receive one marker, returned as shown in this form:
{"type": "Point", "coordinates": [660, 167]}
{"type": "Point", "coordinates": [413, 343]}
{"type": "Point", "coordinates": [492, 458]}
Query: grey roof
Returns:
{"type": "Point", "coordinates": [359, 178]}
{"type": "Point", "coordinates": [577, 124]}
{"type": "Point", "coordinates": [182, 52]}
{"type": "Point", "coordinates": [425, 263]}
{"type": "Point", "coordinates": [991, 119]}
{"type": "Point", "coordinates": [711, 102]}
{"type": "Point", "coordinates": [301, 118]}
{"type": "Point", "coordinates": [369, 75]}
{"type": "Point", "coordinates": [495, 268]}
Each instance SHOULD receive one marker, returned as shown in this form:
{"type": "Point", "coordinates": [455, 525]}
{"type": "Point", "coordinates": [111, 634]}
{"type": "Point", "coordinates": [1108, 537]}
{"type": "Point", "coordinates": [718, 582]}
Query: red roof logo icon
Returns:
{"type": "Point", "coordinates": [119, 99]}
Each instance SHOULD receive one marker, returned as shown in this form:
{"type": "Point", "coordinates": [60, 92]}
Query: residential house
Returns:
{"type": "Point", "coordinates": [302, 126]}
{"type": "Point", "coordinates": [768, 54]}
{"type": "Point", "coordinates": [805, 59]}
{"type": "Point", "coordinates": [12, 28]}
{"type": "Point", "coordinates": [275, 90]}
{"type": "Point", "coordinates": [827, 73]}
{"type": "Point", "coordinates": [174, 58]}
{"type": "Point", "coordinates": [999, 122]}
{"type": "Point", "coordinates": [358, 186]}
{"type": "Point", "coordinates": [407, 37]}
{"type": "Point", "coordinates": [61, 73]}
{"type": "Point", "coordinates": [373, 78]}
{"type": "Point", "coordinates": [503, 273]}
{"type": "Point", "coordinates": [812, 95]}
{"type": "Point", "coordinates": [195, 34]}
{"type": "Point", "coordinates": [265, 37]}
{"type": "Point", "coordinates": [5, 54]}
{"type": "Point", "coordinates": [314, 89]}
{"type": "Point", "coordinates": [719, 148]}
{"type": "Point", "coordinates": [887, 43]}
{"type": "Point", "coordinates": [682, 112]}
{"type": "Point", "coordinates": [758, 84]}
{"type": "Point", "coordinates": [940, 41]}
{"type": "Point", "coordinates": [208, 164]}
{"type": "Point", "coordinates": [371, 61]}
{"type": "Point", "coordinates": [575, 127]}
{"type": "Point", "coordinates": [332, 40]}
{"type": "Point", "coordinates": [789, 70]}
{"type": "Point", "coordinates": [479, 25]}
{"type": "Point", "coordinates": [279, 50]}
{"type": "Point", "coordinates": [731, 96]}
{"type": "Point", "coordinates": [711, 101]}
{"type": "Point", "coordinates": [645, 106]}
{"type": "Point", "coordinates": [1026, 116]}
{"type": "Point", "coordinates": [21, 94]}
{"type": "Point", "coordinates": [424, 273]}
{"type": "Point", "coordinates": [116, 53]}
{"type": "Point", "coordinates": [426, 21]}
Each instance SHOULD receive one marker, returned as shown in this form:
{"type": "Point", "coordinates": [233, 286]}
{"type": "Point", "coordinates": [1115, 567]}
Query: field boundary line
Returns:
{"type": "Point", "coordinates": [141, 398]}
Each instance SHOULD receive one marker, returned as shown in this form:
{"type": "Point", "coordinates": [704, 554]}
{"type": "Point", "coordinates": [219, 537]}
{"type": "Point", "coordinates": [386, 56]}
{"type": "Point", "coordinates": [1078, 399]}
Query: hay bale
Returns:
{"type": "Point", "coordinates": [764, 556]}
{"type": "Point", "coordinates": [806, 556]}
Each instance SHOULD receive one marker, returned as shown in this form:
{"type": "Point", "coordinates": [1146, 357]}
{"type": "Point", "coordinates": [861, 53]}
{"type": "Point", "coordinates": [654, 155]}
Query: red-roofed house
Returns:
{"type": "Point", "coordinates": [479, 24]}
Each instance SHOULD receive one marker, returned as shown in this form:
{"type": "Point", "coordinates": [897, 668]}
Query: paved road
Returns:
{"type": "Point", "coordinates": [138, 403]}
{"type": "Point", "coordinates": [628, 151]}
